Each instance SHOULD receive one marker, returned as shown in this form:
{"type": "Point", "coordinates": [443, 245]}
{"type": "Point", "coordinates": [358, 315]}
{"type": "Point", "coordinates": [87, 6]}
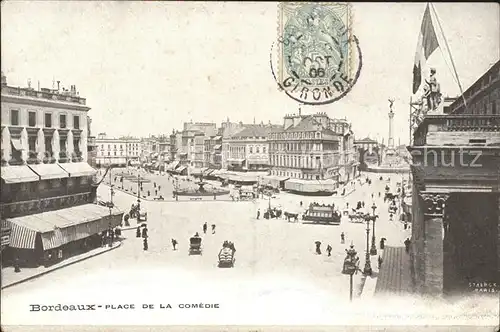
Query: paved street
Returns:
{"type": "Point", "coordinates": [277, 275]}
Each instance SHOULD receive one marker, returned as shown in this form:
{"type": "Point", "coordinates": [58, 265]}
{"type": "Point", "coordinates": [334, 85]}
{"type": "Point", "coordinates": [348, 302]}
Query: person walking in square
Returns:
{"type": "Point", "coordinates": [145, 244]}
{"type": "Point", "coordinates": [174, 243]}
{"type": "Point", "coordinates": [145, 232]}
{"type": "Point", "coordinates": [407, 245]}
{"type": "Point", "coordinates": [258, 213]}
{"type": "Point", "coordinates": [329, 250]}
{"type": "Point", "coordinates": [342, 238]}
{"type": "Point", "coordinates": [318, 247]}
{"type": "Point", "coordinates": [205, 227]}
{"type": "Point", "coordinates": [213, 228]}
{"type": "Point", "coordinates": [138, 232]}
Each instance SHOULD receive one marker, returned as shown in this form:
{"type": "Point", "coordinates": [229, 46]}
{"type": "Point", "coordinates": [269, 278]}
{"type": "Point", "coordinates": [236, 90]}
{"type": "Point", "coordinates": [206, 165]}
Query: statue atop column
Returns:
{"type": "Point", "coordinates": [432, 92]}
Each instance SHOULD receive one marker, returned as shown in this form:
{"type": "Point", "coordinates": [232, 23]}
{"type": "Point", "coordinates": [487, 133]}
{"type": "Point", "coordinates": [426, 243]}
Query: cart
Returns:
{"type": "Point", "coordinates": [195, 246]}
{"type": "Point", "coordinates": [226, 257]}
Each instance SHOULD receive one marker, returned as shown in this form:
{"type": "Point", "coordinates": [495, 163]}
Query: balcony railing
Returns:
{"type": "Point", "coordinates": [11, 210]}
{"type": "Point", "coordinates": [14, 91]}
{"type": "Point", "coordinates": [49, 157]}
{"type": "Point", "coordinates": [33, 158]}
{"type": "Point", "coordinates": [76, 156]}
{"type": "Point", "coordinates": [480, 126]}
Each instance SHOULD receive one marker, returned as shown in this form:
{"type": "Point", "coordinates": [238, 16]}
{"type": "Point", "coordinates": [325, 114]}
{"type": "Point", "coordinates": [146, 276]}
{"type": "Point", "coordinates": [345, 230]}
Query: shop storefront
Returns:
{"type": "Point", "coordinates": [49, 237]}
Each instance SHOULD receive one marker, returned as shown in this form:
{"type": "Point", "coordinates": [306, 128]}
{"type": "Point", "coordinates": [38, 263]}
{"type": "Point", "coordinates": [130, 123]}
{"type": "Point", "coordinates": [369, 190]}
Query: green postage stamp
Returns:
{"type": "Point", "coordinates": [317, 54]}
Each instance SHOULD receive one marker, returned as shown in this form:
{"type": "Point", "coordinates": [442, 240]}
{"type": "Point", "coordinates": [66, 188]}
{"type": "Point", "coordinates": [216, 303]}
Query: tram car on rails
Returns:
{"type": "Point", "coordinates": [322, 214]}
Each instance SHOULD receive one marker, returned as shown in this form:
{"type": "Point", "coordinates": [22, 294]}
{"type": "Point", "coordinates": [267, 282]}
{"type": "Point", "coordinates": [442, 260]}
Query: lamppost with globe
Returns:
{"type": "Point", "coordinates": [350, 267]}
{"type": "Point", "coordinates": [368, 268]}
{"type": "Point", "coordinates": [373, 249]}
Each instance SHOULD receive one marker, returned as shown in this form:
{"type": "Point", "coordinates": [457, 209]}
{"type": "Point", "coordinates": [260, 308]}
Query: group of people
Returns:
{"type": "Point", "coordinates": [229, 244]}
{"type": "Point", "coordinates": [108, 236]}
{"type": "Point", "coordinates": [143, 234]}
{"type": "Point", "coordinates": [205, 228]}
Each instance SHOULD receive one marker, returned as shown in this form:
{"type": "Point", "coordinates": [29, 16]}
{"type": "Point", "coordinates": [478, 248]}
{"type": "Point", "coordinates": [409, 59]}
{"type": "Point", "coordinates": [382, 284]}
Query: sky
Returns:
{"type": "Point", "coordinates": [145, 68]}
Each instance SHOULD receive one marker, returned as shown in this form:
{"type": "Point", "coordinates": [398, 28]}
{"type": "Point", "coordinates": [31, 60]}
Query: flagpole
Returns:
{"type": "Point", "coordinates": [449, 52]}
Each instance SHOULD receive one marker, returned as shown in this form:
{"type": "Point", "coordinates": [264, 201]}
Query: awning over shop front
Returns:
{"type": "Point", "coordinates": [217, 147]}
{"type": "Point", "coordinates": [195, 171]}
{"type": "Point", "coordinates": [273, 180]}
{"type": "Point", "coordinates": [236, 161]}
{"type": "Point", "coordinates": [49, 171]}
{"type": "Point", "coordinates": [18, 174]}
{"type": "Point", "coordinates": [78, 169]}
{"type": "Point", "coordinates": [181, 169]}
{"type": "Point", "coordinates": [208, 171]}
{"type": "Point", "coordinates": [62, 226]}
{"type": "Point", "coordinates": [310, 185]}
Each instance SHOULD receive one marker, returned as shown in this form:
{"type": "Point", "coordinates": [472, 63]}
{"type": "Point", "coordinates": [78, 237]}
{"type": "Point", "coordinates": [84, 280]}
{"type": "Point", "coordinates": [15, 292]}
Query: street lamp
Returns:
{"type": "Point", "coordinates": [368, 268]}
{"type": "Point", "coordinates": [350, 267]}
{"type": "Point", "coordinates": [373, 249]}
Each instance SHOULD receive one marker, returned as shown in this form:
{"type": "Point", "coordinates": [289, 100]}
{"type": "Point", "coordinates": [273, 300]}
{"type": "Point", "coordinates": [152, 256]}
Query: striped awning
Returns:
{"type": "Point", "coordinates": [18, 174]}
{"type": "Point", "coordinates": [62, 226]}
{"type": "Point", "coordinates": [208, 172]}
{"type": "Point", "coordinates": [49, 171]}
{"type": "Point", "coordinates": [78, 169]}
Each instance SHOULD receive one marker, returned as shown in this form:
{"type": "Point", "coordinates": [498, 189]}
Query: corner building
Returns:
{"type": "Point", "coordinates": [47, 191]}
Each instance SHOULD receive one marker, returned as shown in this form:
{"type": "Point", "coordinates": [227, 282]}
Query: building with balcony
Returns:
{"type": "Point", "coordinates": [456, 193]}
{"type": "Point", "coordinates": [118, 152]}
{"type": "Point", "coordinates": [248, 149]}
{"type": "Point", "coordinates": [47, 191]}
{"type": "Point", "coordinates": [312, 154]}
{"type": "Point", "coordinates": [213, 152]}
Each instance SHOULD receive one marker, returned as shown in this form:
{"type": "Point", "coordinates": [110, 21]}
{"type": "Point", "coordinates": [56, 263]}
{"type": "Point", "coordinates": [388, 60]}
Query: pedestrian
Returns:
{"type": "Point", "coordinates": [159, 188]}
{"type": "Point", "coordinates": [379, 262]}
{"type": "Point", "coordinates": [258, 213]}
{"type": "Point", "coordinates": [156, 192]}
{"type": "Point", "coordinates": [300, 203]}
{"type": "Point", "coordinates": [149, 193]}
{"type": "Point", "coordinates": [17, 269]}
{"type": "Point", "coordinates": [382, 243]}
{"type": "Point", "coordinates": [390, 217]}
{"type": "Point", "coordinates": [329, 250]}
{"type": "Point", "coordinates": [406, 225]}
{"type": "Point", "coordinates": [138, 232]}
{"type": "Point", "coordinates": [111, 235]}
{"type": "Point", "coordinates": [205, 228]}
{"type": "Point", "coordinates": [342, 238]}
{"type": "Point", "coordinates": [126, 218]}
{"type": "Point", "coordinates": [372, 195]}
{"type": "Point", "coordinates": [363, 204]}
{"type": "Point", "coordinates": [213, 228]}
{"type": "Point", "coordinates": [174, 243]}
{"type": "Point", "coordinates": [318, 247]}
{"type": "Point", "coordinates": [407, 245]}
{"type": "Point", "coordinates": [145, 244]}
{"type": "Point", "coordinates": [145, 232]}
{"type": "Point", "coordinates": [154, 184]}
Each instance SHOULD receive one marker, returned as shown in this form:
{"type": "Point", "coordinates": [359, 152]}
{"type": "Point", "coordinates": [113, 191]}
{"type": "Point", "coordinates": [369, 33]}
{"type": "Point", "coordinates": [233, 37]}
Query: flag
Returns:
{"type": "Point", "coordinates": [427, 43]}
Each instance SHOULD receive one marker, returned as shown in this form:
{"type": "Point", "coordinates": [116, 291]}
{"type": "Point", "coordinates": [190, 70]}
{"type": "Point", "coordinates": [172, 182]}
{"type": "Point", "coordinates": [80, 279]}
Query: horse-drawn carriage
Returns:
{"type": "Point", "coordinates": [137, 212]}
{"type": "Point", "coordinates": [322, 214]}
{"type": "Point", "coordinates": [195, 246]}
{"type": "Point", "coordinates": [226, 257]}
{"type": "Point", "coordinates": [357, 216]}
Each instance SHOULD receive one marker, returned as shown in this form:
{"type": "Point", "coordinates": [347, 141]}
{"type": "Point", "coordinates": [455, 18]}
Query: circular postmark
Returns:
{"type": "Point", "coordinates": [316, 60]}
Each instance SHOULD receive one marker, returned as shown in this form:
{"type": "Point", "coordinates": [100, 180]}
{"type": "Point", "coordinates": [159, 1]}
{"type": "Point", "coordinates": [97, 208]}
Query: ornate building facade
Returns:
{"type": "Point", "coordinates": [314, 152]}
{"type": "Point", "coordinates": [456, 192]}
{"type": "Point", "coordinates": [117, 151]}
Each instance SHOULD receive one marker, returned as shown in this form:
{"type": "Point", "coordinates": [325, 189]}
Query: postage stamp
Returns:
{"type": "Point", "coordinates": [317, 56]}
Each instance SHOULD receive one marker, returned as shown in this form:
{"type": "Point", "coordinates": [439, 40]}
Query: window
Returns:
{"type": "Point", "coordinates": [76, 121]}
{"type": "Point", "coordinates": [48, 120]}
{"type": "Point", "coordinates": [62, 145]}
{"type": "Point", "coordinates": [48, 145]}
{"type": "Point", "coordinates": [14, 117]}
{"type": "Point", "coordinates": [109, 153]}
{"type": "Point", "coordinates": [62, 120]}
{"type": "Point", "coordinates": [251, 149]}
{"type": "Point", "coordinates": [258, 150]}
{"type": "Point", "coordinates": [76, 145]}
{"type": "Point", "coordinates": [115, 153]}
{"type": "Point", "coordinates": [32, 147]}
{"type": "Point", "coordinates": [31, 119]}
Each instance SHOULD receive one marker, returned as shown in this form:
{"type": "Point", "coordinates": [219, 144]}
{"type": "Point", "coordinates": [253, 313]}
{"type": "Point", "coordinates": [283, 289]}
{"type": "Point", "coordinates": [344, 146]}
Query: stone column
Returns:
{"type": "Point", "coordinates": [25, 144]}
{"type": "Point", "coordinates": [40, 145]}
{"type": "Point", "coordinates": [433, 209]}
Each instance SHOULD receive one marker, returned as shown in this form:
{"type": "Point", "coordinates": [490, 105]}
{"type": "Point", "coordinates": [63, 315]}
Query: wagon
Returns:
{"type": "Point", "coordinates": [226, 257]}
{"type": "Point", "coordinates": [195, 246]}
